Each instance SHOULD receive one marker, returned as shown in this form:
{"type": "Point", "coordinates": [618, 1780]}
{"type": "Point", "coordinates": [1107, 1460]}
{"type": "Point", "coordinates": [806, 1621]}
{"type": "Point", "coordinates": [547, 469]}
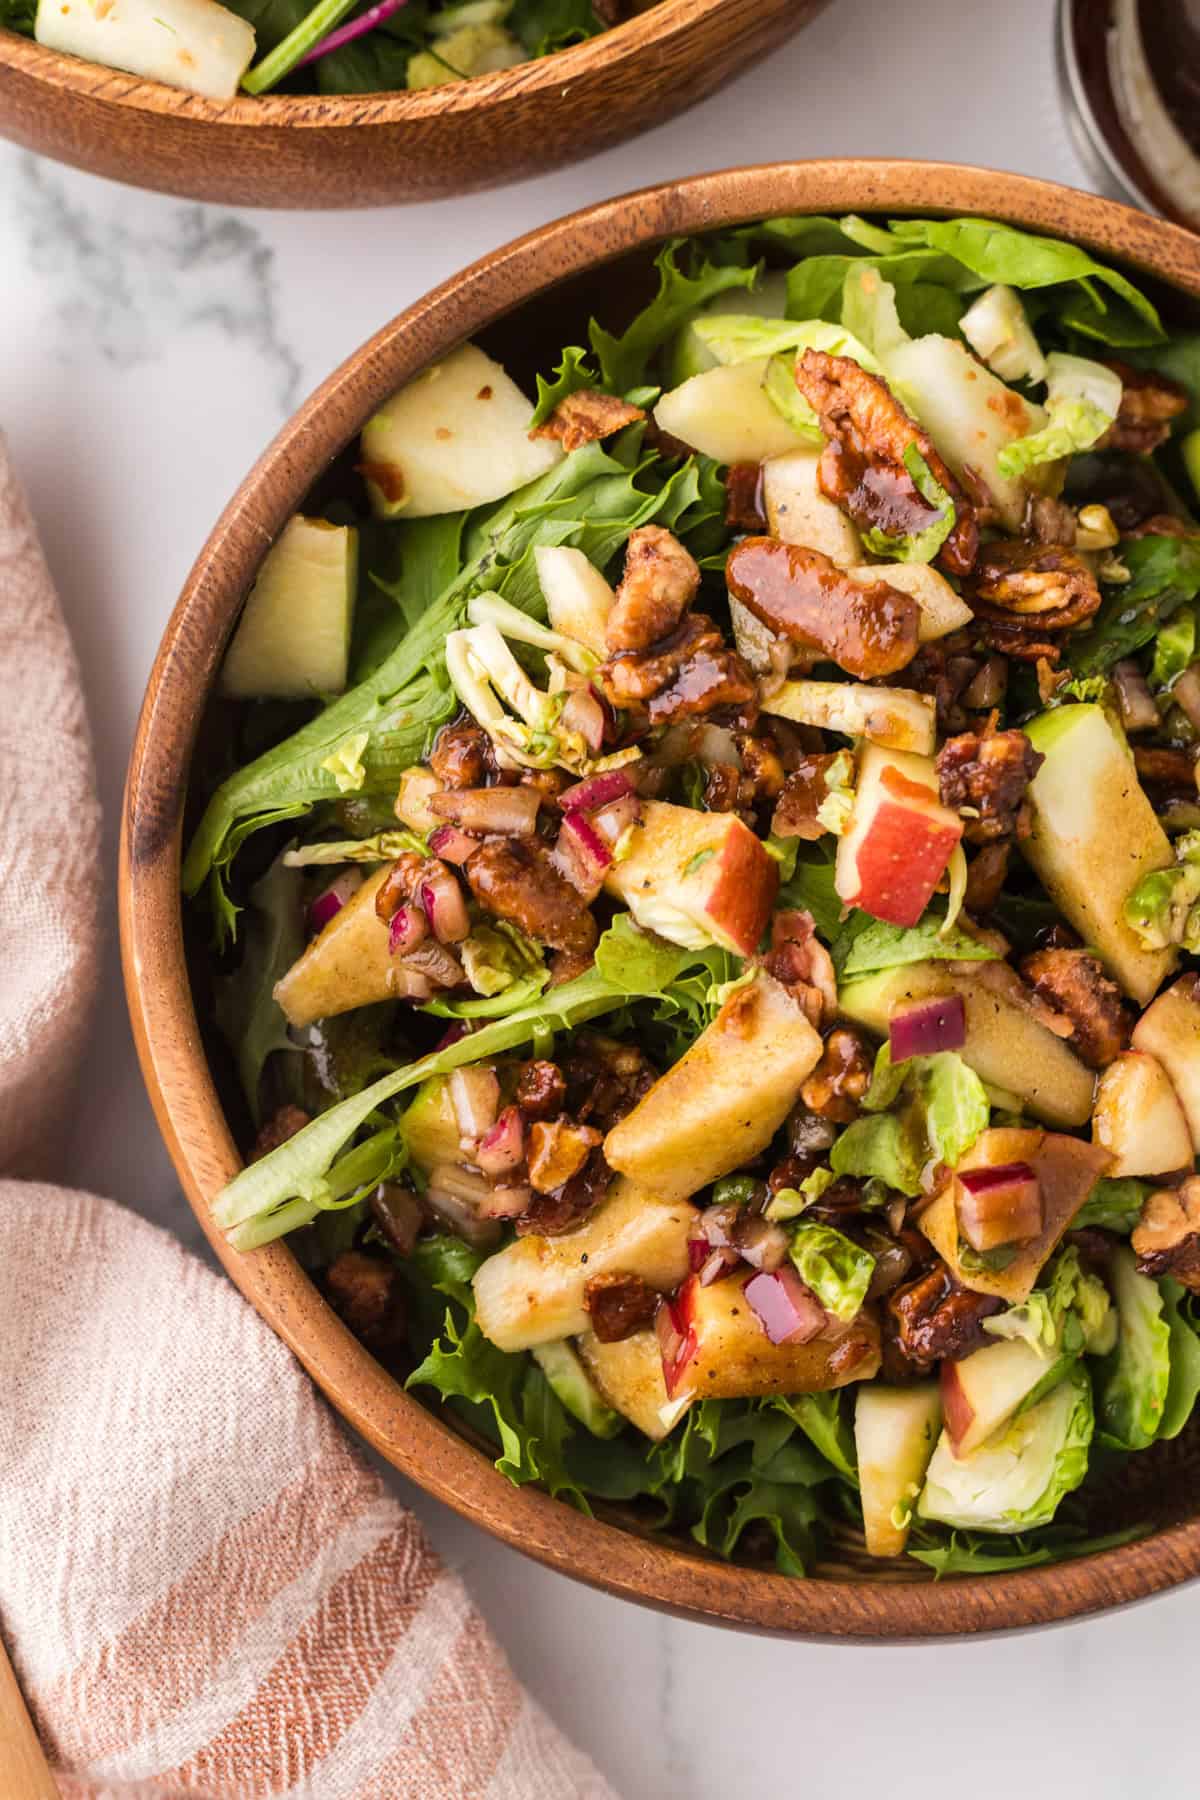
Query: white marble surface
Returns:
{"type": "Point", "coordinates": [148, 350]}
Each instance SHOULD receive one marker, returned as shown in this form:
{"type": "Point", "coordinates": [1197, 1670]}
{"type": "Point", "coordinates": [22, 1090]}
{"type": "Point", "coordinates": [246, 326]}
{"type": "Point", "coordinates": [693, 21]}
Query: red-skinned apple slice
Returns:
{"type": "Point", "coordinates": [696, 878]}
{"type": "Point", "coordinates": [718, 1349]}
{"type": "Point", "coordinates": [900, 837]}
{"type": "Point", "coordinates": [983, 1391]}
{"type": "Point", "coordinates": [1138, 1118]}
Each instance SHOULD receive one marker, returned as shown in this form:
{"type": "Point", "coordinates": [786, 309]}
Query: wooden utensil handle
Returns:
{"type": "Point", "coordinates": [24, 1771]}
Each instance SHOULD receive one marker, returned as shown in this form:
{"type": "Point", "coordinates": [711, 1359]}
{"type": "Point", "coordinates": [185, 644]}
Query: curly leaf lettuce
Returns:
{"type": "Point", "coordinates": [945, 1109]}
{"type": "Point", "coordinates": [624, 360]}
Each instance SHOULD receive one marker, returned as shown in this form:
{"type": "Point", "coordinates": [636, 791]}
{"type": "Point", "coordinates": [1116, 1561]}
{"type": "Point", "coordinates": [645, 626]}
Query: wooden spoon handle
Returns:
{"type": "Point", "coordinates": [24, 1771]}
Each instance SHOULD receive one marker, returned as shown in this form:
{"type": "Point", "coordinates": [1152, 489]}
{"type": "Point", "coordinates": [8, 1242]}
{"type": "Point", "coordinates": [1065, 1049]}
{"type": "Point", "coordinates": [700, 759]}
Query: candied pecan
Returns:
{"type": "Point", "coordinates": [605, 1079]}
{"type": "Point", "coordinates": [514, 878]}
{"type": "Point", "coordinates": [744, 507]}
{"type": "Point", "coordinates": [936, 1320]}
{"type": "Point", "coordinates": [558, 1149]}
{"type": "Point", "coordinates": [862, 465]}
{"type": "Point", "coordinates": [803, 965]}
{"type": "Point", "coordinates": [988, 772]}
{"type": "Point", "coordinates": [803, 793]}
{"type": "Point", "coordinates": [762, 768]}
{"type": "Point", "coordinates": [1023, 640]}
{"type": "Point", "coordinates": [659, 584]}
{"type": "Point", "coordinates": [722, 787]}
{"type": "Point", "coordinates": [550, 1215]}
{"type": "Point", "coordinates": [1165, 768]}
{"type": "Point", "coordinates": [1074, 983]}
{"type": "Point", "coordinates": [630, 678]}
{"type": "Point", "coordinates": [1166, 1239]}
{"type": "Point", "coordinates": [583, 417]}
{"type": "Point", "coordinates": [985, 876]}
{"type": "Point", "coordinates": [462, 754]}
{"type": "Point", "coordinates": [841, 1078]}
{"type": "Point", "coordinates": [365, 1292]}
{"type": "Point", "coordinates": [867, 627]}
{"type": "Point", "coordinates": [1047, 586]}
{"type": "Point", "coordinates": [1149, 401]}
{"type": "Point", "coordinates": [710, 681]}
{"type": "Point", "coordinates": [1049, 521]}
{"type": "Point", "coordinates": [619, 1305]}
{"type": "Point", "coordinates": [281, 1126]}
{"type": "Point", "coordinates": [549, 783]}
{"type": "Point", "coordinates": [541, 1089]}
{"type": "Point", "coordinates": [944, 671]}
{"type": "Point", "coordinates": [400, 883]}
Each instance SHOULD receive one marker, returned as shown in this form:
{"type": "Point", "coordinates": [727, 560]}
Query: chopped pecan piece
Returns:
{"type": "Point", "coordinates": [659, 584]}
{"type": "Point", "coordinates": [762, 768]}
{"type": "Point", "coordinates": [945, 670]}
{"type": "Point", "coordinates": [804, 792]}
{"type": "Point", "coordinates": [1074, 983]}
{"type": "Point", "coordinates": [550, 1215]}
{"type": "Point", "coordinates": [841, 1078]}
{"type": "Point", "coordinates": [988, 772]}
{"type": "Point", "coordinates": [745, 509]}
{"type": "Point", "coordinates": [462, 754]}
{"type": "Point", "coordinates": [400, 883]}
{"type": "Point", "coordinates": [605, 1079]}
{"type": "Point", "coordinates": [584, 417]}
{"type": "Point", "coordinates": [722, 786]}
{"type": "Point", "coordinates": [1149, 402]}
{"type": "Point", "coordinates": [687, 674]}
{"type": "Point", "coordinates": [1047, 586]}
{"type": "Point", "coordinates": [709, 682]}
{"type": "Point", "coordinates": [1166, 1239]}
{"type": "Point", "coordinates": [558, 1149]}
{"type": "Point", "coordinates": [1049, 521]}
{"type": "Point", "coordinates": [985, 877]}
{"type": "Point", "coordinates": [936, 1320]}
{"type": "Point", "coordinates": [281, 1126]}
{"type": "Point", "coordinates": [863, 468]}
{"type": "Point", "coordinates": [365, 1292]}
{"type": "Point", "coordinates": [632, 677]}
{"type": "Point", "coordinates": [541, 1089]}
{"type": "Point", "coordinates": [803, 965]}
{"type": "Point", "coordinates": [515, 879]}
{"type": "Point", "coordinates": [619, 1305]}
{"type": "Point", "coordinates": [868, 628]}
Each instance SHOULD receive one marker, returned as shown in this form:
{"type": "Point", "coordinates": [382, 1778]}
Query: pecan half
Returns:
{"type": "Point", "coordinates": [867, 628]}
{"type": "Point", "coordinates": [804, 792]}
{"type": "Point", "coordinates": [685, 675]}
{"type": "Point", "coordinates": [841, 1078]}
{"type": "Point", "coordinates": [862, 466]}
{"type": "Point", "coordinates": [1149, 401]}
{"type": "Point", "coordinates": [745, 509]}
{"type": "Point", "coordinates": [515, 879]}
{"type": "Point", "coordinates": [936, 1320]}
{"type": "Point", "coordinates": [987, 772]}
{"type": "Point", "coordinates": [462, 755]}
{"type": "Point", "coordinates": [659, 584]}
{"type": "Point", "coordinates": [1074, 983]}
{"type": "Point", "coordinates": [1166, 1239]}
{"type": "Point", "coordinates": [365, 1292]}
{"type": "Point", "coordinates": [1045, 585]}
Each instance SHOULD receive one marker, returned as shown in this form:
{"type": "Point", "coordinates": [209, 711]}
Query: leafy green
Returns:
{"type": "Point", "coordinates": [825, 1425]}
{"type": "Point", "coordinates": [922, 546]}
{"type": "Point", "coordinates": [1178, 358]}
{"type": "Point", "coordinates": [246, 1009]}
{"type": "Point", "coordinates": [1164, 906]}
{"type": "Point", "coordinates": [837, 1269]}
{"type": "Point", "coordinates": [1068, 1313]}
{"type": "Point", "coordinates": [1017, 1479]}
{"type": "Point", "coordinates": [971, 1557]}
{"type": "Point", "coordinates": [945, 1109]}
{"type": "Point", "coordinates": [19, 16]}
{"type": "Point", "coordinates": [571, 375]}
{"type": "Point", "coordinates": [1184, 1350]}
{"type": "Point", "coordinates": [1112, 1206]}
{"type": "Point", "coordinates": [404, 566]}
{"type": "Point", "coordinates": [1082, 400]}
{"type": "Point", "coordinates": [881, 946]}
{"type": "Point", "coordinates": [1165, 574]}
{"type": "Point", "coordinates": [1174, 649]}
{"type": "Point", "coordinates": [544, 26]}
{"type": "Point", "coordinates": [681, 293]}
{"type": "Point", "coordinates": [810, 889]}
{"type": "Point", "coordinates": [1133, 1381]}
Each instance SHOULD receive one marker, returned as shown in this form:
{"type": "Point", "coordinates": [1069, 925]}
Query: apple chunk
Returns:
{"type": "Point", "coordinates": [724, 1354]}
{"type": "Point", "coordinates": [725, 413]}
{"type": "Point", "coordinates": [723, 1102]}
{"type": "Point", "coordinates": [531, 1292]}
{"type": "Point", "coordinates": [799, 513]}
{"type": "Point", "coordinates": [1066, 1170]}
{"type": "Point", "coordinates": [895, 718]}
{"type": "Point", "coordinates": [899, 839]}
{"type": "Point", "coordinates": [1170, 1030]}
{"type": "Point", "coordinates": [578, 598]}
{"type": "Point", "coordinates": [983, 1391]}
{"type": "Point", "coordinates": [942, 610]}
{"type": "Point", "coordinates": [1138, 1118]}
{"type": "Point", "coordinates": [696, 878]}
{"type": "Point", "coordinates": [895, 1430]}
{"type": "Point", "coordinates": [629, 1375]}
{"type": "Point", "coordinates": [346, 965]}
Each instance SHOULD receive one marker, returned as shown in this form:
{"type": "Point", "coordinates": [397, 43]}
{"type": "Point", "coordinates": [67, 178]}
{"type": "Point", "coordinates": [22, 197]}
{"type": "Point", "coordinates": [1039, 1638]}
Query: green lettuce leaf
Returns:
{"type": "Point", "coordinates": [571, 375]}
{"type": "Point", "coordinates": [1082, 400]}
{"type": "Point", "coordinates": [1165, 574]}
{"type": "Point", "coordinates": [624, 360]}
{"type": "Point", "coordinates": [1113, 1206]}
{"type": "Point", "coordinates": [1134, 1380]}
{"type": "Point", "coordinates": [404, 565]}
{"type": "Point", "coordinates": [968, 1555]}
{"type": "Point", "coordinates": [825, 1425]}
{"type": "Point", "coordinates": [945, 1107]}
{"type": "Point", "coordinates": [247, 1012]}
{"type": "Point", "coordinates": [1184, 1351]}
{"type": "Point", "coordinates": [882, 946]}
{"type": "Point", "coordinates": [923, 545]}
{"type": "Point", "coordinates": [544, 26]}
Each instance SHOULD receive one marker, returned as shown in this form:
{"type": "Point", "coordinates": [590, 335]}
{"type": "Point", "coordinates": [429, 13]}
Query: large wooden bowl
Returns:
{"type": "Point", "coordinates": [532, 294]}
{"type": "Point", "coordinates": [370, 149]}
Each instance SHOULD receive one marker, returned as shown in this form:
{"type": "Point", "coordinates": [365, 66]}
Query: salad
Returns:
{"type": "Point", "coordinates": [703, 862]}
{"type": "Point", "coordinates": [332, 47]}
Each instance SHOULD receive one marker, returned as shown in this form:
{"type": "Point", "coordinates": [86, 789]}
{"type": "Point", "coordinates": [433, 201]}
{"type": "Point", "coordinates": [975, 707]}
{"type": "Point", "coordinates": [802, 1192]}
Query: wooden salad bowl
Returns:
{"type": "Point", "coordinates": [371, 149]}
{"type": "Point", "coordinates": [532, 294]}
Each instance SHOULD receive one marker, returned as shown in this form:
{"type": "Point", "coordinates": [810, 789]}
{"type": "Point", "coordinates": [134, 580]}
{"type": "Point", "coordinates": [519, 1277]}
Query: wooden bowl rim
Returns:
{"type": "Point", "coordinates": [74, 77]}
{"type": "Point", "coordinates": [664, 1575]}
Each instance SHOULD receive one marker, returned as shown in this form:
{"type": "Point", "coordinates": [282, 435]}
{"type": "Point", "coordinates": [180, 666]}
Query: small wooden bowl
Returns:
{"type": "Point", "coordinates": [532, 294]}
{"type": "Point", "coordinates": [372, 149]}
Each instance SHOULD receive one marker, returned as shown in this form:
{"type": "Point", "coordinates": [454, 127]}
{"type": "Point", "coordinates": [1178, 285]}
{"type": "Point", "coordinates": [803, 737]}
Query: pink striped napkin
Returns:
{"type": "Point", "coordinates": [204, 1590]}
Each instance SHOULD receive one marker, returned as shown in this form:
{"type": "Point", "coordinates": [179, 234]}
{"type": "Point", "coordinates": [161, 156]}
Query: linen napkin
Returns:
{"type": "Point", "coordinates": [204, 1590]}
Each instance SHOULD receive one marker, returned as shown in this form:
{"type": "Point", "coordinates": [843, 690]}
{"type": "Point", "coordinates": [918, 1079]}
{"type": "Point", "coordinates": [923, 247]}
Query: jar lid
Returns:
{"type": "Point", "coordinates": [1131, 73]}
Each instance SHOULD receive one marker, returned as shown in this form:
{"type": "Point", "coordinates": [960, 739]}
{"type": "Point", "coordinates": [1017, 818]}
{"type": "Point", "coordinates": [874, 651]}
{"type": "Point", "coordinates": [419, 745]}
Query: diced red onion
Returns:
{"type": "Point", "coordinates": [613, 821]}
{"type": "Point", "coordinates": [330, 901]}
{"type": "Point", "coordinates": [406, 931]}
{"type": "Point", "coordinates": [788, 1312]}
{"type": "Point", "coordinates": [596, 791]}
{"type": "Point", "coordinates": [581, 854]}
{"type": "Point", "coordinates": [717, 1225]}
{"type": "Point", "coordinates": [354, 28]}
{"type": "Point", "coordinates": [507, 1202]}
{"type": "Point", "coordinates": [451, 844]}
{"type": "Point", "coordinates": [717, 1264]}
{"type": "Point", "coordinates": [503, 1147]}
{"type": "Point", "coordinates": [1135, 702]}
{"type": "Point", "coordinates": [1001, 1205]}
{"type": "Point", "coordinates": [676, 1342]}
{"type": "Point", "coordinates": [507, 811]}
{"type": "Point", "coordinates": [930, 1026]}
{"type": "Point", "coordinates": [583, 713]}
{"type": "Point", "coordinates": [455, 1198]}
{"type": "Point", "coordinates": [443, 903]}
{"type": "Point", "coordinates": [475, 1097]}
{"type": "Point", "coordinates": [699, 1251]}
